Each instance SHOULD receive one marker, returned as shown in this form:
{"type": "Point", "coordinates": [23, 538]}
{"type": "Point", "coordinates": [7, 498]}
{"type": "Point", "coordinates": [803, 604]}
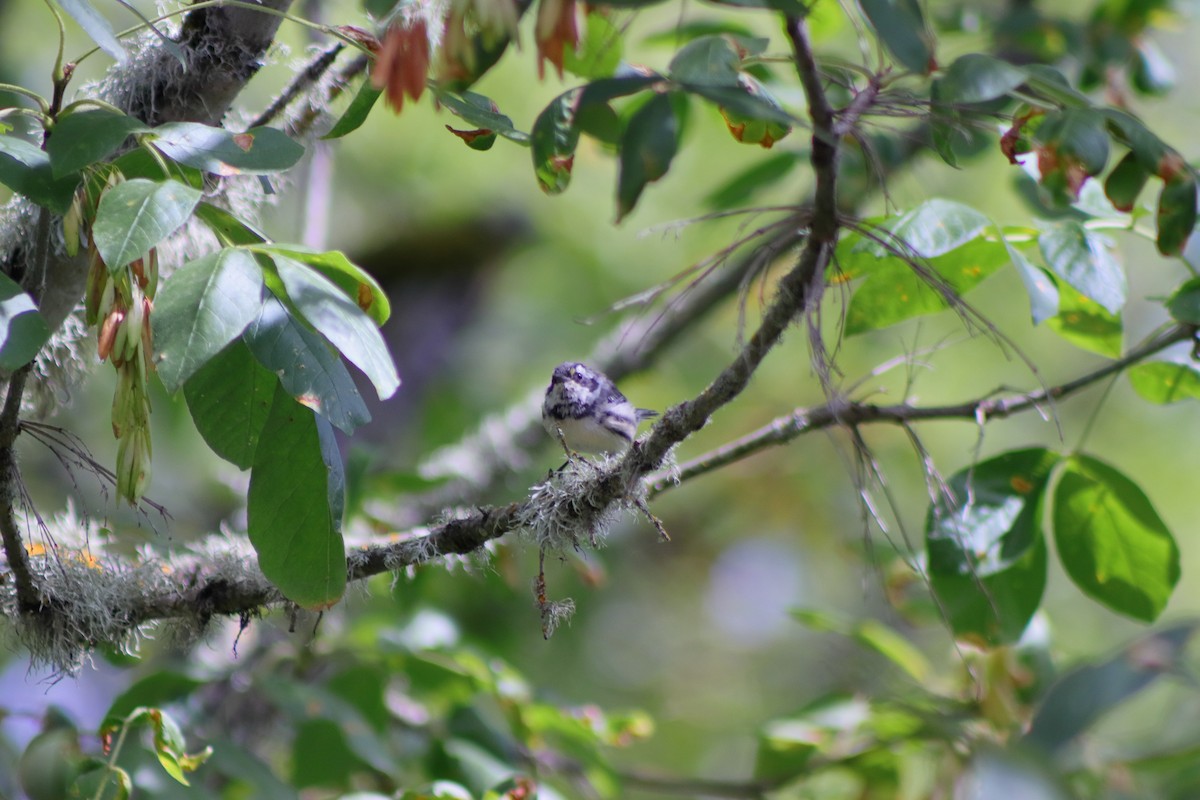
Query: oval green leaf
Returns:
{"type": "Point", "coordinates": [1126, 182]}
{"type": "Point", "coordinates": [1086, 324]}
{"type": "Point", "coordinates": [901, 27]}
{"type": "Point", "coordinates": [200, 309]}
{"type": "Point", "coordinates": [1176, 216]}
{"type": "Point", "coordinates": [987, 554]}
{"type": "Point", "coordinates": [647, 149]}
{"type": "Point", "coordinates": [341, 321]}
{"type": "Point", "coordinates": [352, 279]}
{"type": "Point", "coordinates": [1184, 304]}
{"type": "Point", "coordinates": [357, 112]}
{"type": "Point", "coordinates": [229, 398]}
{"type": "Point", "coordinates": [707, 61]}
{"type": "Point", "coordinates": [85, 136]}
{"type": "Point", "coordinates": [1164, 382]}
{"type": "Point", "coordinates": [306, 365]}
{"type": "Point", "coordinates": [978, 77]}
{"type": "Point", "coordinates": [1111, 542]}
{"type": "Point", "coordinates": [1082, 696]}
{"type": "Point", "coordinates": [26, 169]}
{"type": "Point", "coordinates": [23, 330]}
{"type": "Point", "coordinates": [256, 151]}
{"type": "Point", "coordinates": [894, 290]}
{"type": "Point", "coordinates": [1084, 260]}
{"type": "Point", "coordinates": [294, 507]}
{"type": "Point", "coordinates": [138, 214]}
{"type": "Point", "coordinates": [96, 26]}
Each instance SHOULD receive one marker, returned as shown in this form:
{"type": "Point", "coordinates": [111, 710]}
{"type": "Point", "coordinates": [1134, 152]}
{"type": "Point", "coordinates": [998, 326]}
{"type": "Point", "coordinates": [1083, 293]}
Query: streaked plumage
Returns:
{"type": "Point", "coordinates": [587, 411]}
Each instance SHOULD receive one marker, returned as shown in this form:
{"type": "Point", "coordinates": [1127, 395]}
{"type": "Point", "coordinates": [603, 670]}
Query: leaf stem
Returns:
{"type": "Point", "coordinates": [111, 766]}
{"type": "Point", "coordinates": [42, 102]}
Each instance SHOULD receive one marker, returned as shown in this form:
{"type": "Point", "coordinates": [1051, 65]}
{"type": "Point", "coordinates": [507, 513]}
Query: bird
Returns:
{"type": "Point", "coordinates": [585, 412]}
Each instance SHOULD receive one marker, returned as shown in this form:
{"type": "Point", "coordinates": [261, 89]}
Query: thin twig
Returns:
{"type": "Point", "coordinates": [844, 412]}
{"type": "Point", "coordinates": [304, 79]}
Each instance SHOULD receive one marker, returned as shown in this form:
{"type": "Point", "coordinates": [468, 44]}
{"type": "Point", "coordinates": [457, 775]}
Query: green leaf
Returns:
{"type": "Point", "coordinates": [747, 101]}
{"type": "Point", "coordinates": [111, 783]}
{"type": "Point", "coordinates": [1184, 304]}
{"type": "Point", "coordinates": [145, 162]}
{"type": "Point", "coordinates": [294, 507]}
{"type": "Point", "coordinates": [255, 152]}
{"type": "Point", "coordinates": [996, 608]}
{"type": "Point", "coordinates": [994, 517]}
{"type": "Point", "coordinates": [321, 756]}
{"type": "Point", "coordinates": [647, 148]}
{"type": "Point", "coordinates": [96, 26]}
{"type": "Point", "coordinates": [138, 214]}
{"type": "Point", "coordinates": [229, 398]}
{"type": "Point", "coordinates": [873, 635]}
{"type": "Point", "coordinates": [1083, 695]}
{"type": "Point", "coordinates": [356, 113]}
{"type": "Point", "coordinates": [357, 284]}
{"type": "Point", "coordinates": [555, 133]}
{"type": "Point", "coordinates": [553, 141]}
{"type": "Point", "coordinates": [169, 744]}
{"type": "Point", "coordinates": [786, 746]}
{"type": "Point", "coordinates": [26, 169]}
{"type": "Point", "coordinates": [228, 228]}
{"type": "Point", "coordinates": [978, 77]}
{"type": "Point", "coordinates": [599, 52]}
{"type": "Point", "coordinates": [1176, 215]}
{"type": "Point", "coordinates": [85, 136]}
{"type": "Point", "coordinates": [1052, 84]}
{"type": "Point", "coordinates": [1111, 542]}
{"type": "Point", "coordinates": [23, 330]}
{"type": "Point", "coordinates": [986, 547]}
{"type": "Point", "coordinates": [1126, 182]}
{"type": "Point", "coordinates": [894, 291]}
{"type": "Point", "coordinates": [1084, 260]}
{"type": "Point", "coordinates": [707, 61]}
{"type": "Point", "coordinates": [1165, 382]}
{"type": "Point", "coordinates": [1150, 151]}
{"type": "Point", "coordinates": [933, 228]}
{"type": "Point", "coordinates": [900, 25]}
{"type": "Point", "coordinates": [479, 767]}
{"type": "Point", "coordinates": [482, 112]}
{"type": "Point", "coordinates": [201, 308]}
{"type": "Point", "coordinates": [1152, 73]}
{"type": "Point", "coordinates": [1086, 324]}
{"type": "Point", "coordinates": [307, 366]}
{"type": "Point", "coordinates": [1077, 134]}
{"type": "Point", "coordinates": [1041, 288]}
{"type": "Point", "coordinates": [341, 321]}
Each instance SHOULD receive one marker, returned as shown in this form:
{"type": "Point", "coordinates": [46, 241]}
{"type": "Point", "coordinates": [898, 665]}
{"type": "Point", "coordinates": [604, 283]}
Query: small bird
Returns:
{"type": "Point", "coordinates": [584, 411]}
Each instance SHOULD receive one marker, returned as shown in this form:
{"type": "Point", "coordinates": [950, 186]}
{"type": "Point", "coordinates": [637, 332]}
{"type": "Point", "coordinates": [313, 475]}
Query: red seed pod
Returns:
{"type": "Point", "coordinates": [108, 332]}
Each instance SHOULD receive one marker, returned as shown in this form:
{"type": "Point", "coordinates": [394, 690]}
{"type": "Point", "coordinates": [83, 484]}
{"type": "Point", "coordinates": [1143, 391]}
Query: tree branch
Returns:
{"type": "Point", "coordinates": [502, 440]}
{"type": "Point", "coordinates": [840, 412]}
